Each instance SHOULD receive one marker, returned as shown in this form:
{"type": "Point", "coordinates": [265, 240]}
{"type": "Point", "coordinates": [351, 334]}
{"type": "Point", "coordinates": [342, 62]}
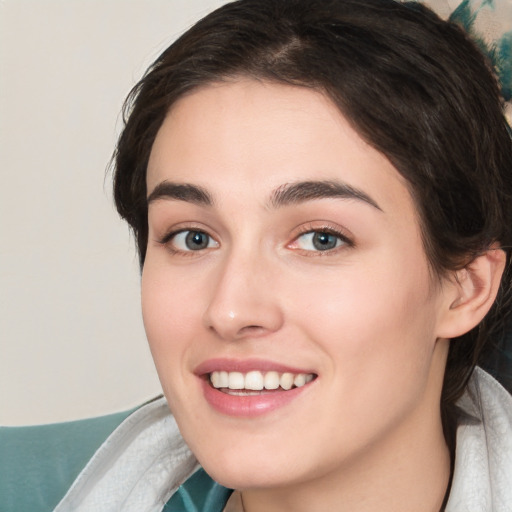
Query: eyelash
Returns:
{"type": "Point", "coordinates": [170, 236]}
{"type": "Point", "coordinates": [346, 242]}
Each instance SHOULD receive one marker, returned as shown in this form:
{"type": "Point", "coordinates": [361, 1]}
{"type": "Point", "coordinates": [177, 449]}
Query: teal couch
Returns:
{"type": "Point", "coordinates": [39, 463]}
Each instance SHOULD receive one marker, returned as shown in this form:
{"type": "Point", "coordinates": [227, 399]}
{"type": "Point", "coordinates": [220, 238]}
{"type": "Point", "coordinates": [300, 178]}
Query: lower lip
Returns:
{"type": "Point", "coordinates": [248, 406]}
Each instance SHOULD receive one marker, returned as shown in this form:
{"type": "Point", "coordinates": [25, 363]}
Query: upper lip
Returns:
{"type": "Point", "coordinates": [244, 366]}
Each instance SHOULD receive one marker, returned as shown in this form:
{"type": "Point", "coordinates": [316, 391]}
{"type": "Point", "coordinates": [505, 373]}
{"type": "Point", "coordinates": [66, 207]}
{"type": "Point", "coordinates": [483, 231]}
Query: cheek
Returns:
{"type": "Point", "coordinates": [373, 317]}
{"type": "Point", "coordinates": [376, 337]}
{"type": "Point", "coordinates": [168, 311]}
{"type": "Point", "coordinates": [171, 322]}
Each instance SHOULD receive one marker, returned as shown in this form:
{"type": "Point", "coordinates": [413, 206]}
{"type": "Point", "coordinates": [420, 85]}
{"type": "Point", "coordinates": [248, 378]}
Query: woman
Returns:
{"type": "Point", "coordinates": [321, 197]}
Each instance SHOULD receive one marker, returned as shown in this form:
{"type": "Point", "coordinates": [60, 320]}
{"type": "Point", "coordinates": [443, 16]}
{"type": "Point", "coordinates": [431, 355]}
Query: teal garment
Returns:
{"type": "Point", "coordinates": [199, 494]}
{"type": "Point", "coordinates": [39, 463]}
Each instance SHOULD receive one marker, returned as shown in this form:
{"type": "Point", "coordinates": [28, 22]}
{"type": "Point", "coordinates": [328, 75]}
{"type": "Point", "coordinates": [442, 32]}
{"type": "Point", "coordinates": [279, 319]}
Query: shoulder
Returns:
{"type": "Point", "coordinates": [138, 467]}
{"type": "Point", "coordinates": [483, 459]}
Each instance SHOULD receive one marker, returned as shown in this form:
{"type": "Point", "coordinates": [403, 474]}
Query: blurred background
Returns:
{"type": "Point", "coordinates": [72, 343]}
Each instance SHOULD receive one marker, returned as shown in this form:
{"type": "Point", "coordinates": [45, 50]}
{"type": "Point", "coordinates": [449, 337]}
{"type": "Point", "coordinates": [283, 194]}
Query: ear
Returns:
{"type": "Point", "coordinates": [470, 293]}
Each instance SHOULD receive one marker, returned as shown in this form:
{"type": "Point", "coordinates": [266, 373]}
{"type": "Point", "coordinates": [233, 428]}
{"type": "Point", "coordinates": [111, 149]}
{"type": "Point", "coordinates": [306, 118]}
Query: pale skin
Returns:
{"type": "Point", "coordinates": [365, 316]}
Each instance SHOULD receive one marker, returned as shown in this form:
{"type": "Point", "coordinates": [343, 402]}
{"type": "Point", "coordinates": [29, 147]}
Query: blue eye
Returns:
{"type": "Point", "coordinates": [319, 241]}
{"type": "Point", "coordinates": [189, 240]}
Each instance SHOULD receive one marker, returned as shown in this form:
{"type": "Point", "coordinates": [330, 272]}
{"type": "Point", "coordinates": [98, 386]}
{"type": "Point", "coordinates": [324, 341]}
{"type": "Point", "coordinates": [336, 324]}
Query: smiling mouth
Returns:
{"type": "Point", "coordinates": [255, 382]}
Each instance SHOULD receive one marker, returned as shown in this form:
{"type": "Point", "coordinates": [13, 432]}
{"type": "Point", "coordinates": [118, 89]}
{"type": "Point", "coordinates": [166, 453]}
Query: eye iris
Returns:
{"type": "Point", "coordinates": [324, 241]}
{"type": "Point", "coordinates": [196, 240]}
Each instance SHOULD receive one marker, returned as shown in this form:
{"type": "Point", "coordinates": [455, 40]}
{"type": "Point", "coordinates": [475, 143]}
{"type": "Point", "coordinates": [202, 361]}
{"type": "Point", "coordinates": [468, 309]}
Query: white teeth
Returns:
{"type": "Point", "coordinates": [254, 381]}
{"type": "Point", "coordinates": [215, 379]}
{"type": "Point", "coordinates": [299, 380]}
{"type": "Point", "coordinates": [236, 380]}
{"type": "Point", "coordinates": [257, 381]}
{"type": "Point", "coordinates": [271, 380]}
{"type": "Point", "coordinates": [223, 379]}
{"type": "Point", "coordinates": [286, 381]}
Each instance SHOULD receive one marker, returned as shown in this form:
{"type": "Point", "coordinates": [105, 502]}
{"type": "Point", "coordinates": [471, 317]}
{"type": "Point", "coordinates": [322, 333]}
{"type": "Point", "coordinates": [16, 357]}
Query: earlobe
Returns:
{"type": "Point", "coordinates": [471, 293]}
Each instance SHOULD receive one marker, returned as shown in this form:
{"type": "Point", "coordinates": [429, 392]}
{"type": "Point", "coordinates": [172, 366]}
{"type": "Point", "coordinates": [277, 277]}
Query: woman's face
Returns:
{"type": "Point", "coordinates": [284, 252]}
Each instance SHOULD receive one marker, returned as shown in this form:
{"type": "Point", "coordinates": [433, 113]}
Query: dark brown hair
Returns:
{"type": "Point", "coordinates": [413, 86]}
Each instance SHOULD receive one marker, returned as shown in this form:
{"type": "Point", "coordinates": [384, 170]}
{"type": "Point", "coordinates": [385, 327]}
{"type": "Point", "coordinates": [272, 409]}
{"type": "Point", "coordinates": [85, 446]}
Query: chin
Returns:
{"type": "Point", "coordinates": [247, 476]}
{"type": "Point", "coordinates": [256, 467]}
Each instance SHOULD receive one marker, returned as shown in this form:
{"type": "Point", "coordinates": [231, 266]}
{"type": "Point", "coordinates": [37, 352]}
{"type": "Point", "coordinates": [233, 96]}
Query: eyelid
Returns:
{"type": "Point", "coordinates": [311, 227]}
{"type": "Point", "coordinates": [323, 227]}
{"type": "Point", "coordinates": [170, 234]}
{"type": "Point", "coordinates": [179, 227]}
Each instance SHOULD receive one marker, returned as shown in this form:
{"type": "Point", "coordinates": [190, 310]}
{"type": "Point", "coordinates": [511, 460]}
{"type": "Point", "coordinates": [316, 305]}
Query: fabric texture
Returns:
{"type": "Point", "coordinates": [198, 494]}
{"type": "Point", "coordinates": [482, 480]}
{"type": "Point", "coordinates": [145, 465]}
{"type": "Point", "coordinates": [138, 467]}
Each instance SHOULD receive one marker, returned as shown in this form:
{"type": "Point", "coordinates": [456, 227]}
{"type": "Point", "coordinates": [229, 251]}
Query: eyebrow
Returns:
{"type": "Point", "coordinates": [294, 193]}
{"type": "Point", "coordinates": [181, 192]}
{"type": "Point", "coordinates": [285, 195]}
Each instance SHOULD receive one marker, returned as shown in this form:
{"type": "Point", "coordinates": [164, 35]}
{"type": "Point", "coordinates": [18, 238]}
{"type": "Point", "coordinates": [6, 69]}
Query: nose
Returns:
{"type": "Point", "coordinates": [243, 301]}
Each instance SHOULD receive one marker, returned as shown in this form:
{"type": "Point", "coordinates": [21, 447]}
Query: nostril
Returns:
{"type": "Point", "coordinates": [246, 331]}
{"type": "Point", "coordinates": [252, 330]}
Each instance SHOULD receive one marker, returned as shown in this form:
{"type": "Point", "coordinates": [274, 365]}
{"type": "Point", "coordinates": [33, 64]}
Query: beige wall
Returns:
{"type": "Point", "coordinates": [72, 343]}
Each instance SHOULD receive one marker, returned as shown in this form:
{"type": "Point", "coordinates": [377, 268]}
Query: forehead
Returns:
{"type": "Point", "coordinates": [249, 137]}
